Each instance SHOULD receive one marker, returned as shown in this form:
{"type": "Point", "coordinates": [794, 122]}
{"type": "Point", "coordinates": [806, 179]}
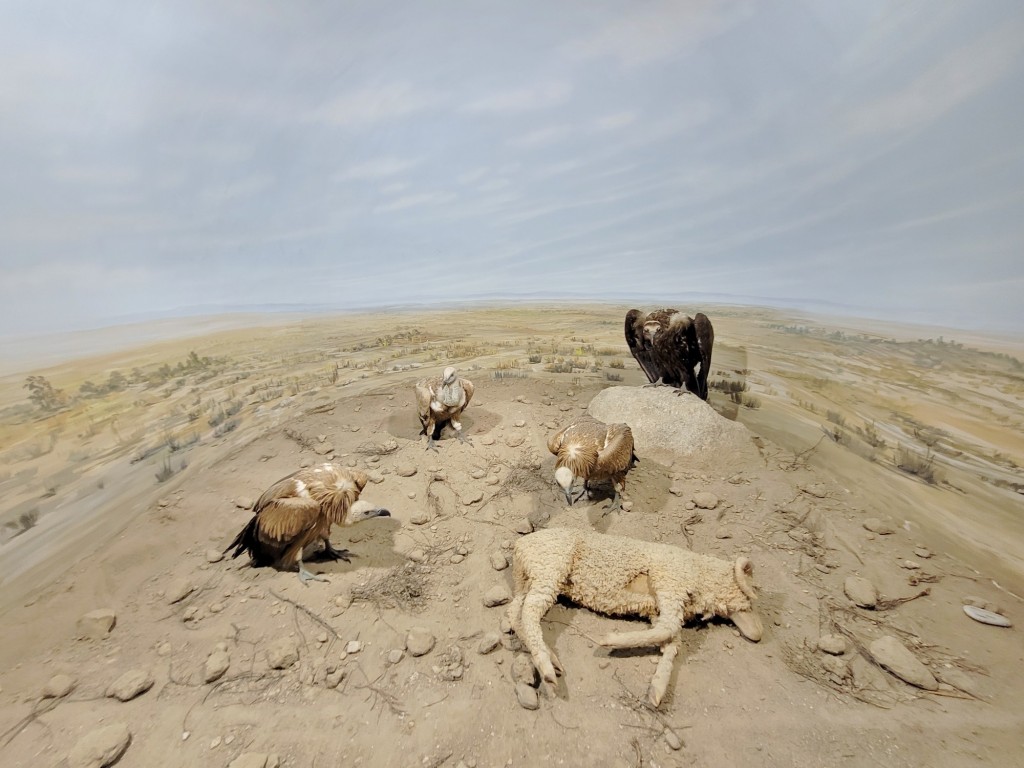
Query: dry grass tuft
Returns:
{"type": "Point", "coordinates": [403, 587]}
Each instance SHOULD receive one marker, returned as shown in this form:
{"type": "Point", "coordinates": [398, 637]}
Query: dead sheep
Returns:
{"type": "Point", "coordinates": [620, 576]}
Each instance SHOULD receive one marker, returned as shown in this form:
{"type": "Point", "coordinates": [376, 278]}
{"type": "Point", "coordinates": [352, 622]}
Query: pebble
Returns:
{"type": "Point", "coordinates": [725, 532]}
{"type": "Point", "coordinates": [417, 555]}
{"type": "Point", "coordinates": [164, 649]}
{"type": "Point", "coordinates": [456, 559]}
{"type": "Point", "coordinates": [322, 637]}
{"type": "Point", "coordinates": [477, 474]}
{"type": "Point", "coordinates": [524, 526]}
{"type": "Point", "coordinates": [249, 760]}
{"type": "Point", "coordinates": [527, 696]}
{"type": "Point", "coordinates": [180, 592]}
{"type": "Point", "coordinates": [910, 565]}
{"type": "Point", "coordinates": [419, 641]}
{"type": "Point", "coordinates": [499, 561]}
{"type": "Point", "coordinates": [923, 553]}
{"type": "Point", "coordinates": [353, 646]}
{"type": "Point", "coordinates": [514, 441]}
{"type": "Point", "coordinates": [880, 527]}
{"type": "Point", "coordinates": [395, 655]}
{"type": "Point", "coordinates": [244, 502]}
{"type": "Point", "coordinates": [322, 449]}
{"type": "Point", "coordinates": [488, 643]}
{"type": "Point", "coordinates": [627, 506]}
{"type": "Point", "coordinates": [132, 683]}
{"type": "Point", "coordinates": [497, 595]}
{"type": "Point", "coordinates": [97, 624]}
{"type": "Point", "coordinates": [217, 664]}
{"type": "Point", "coordinates": [705, 500]}
{"type": "Point", "coordinates": [487, 440]}
{"type": "Point", "coordinates": [472, 497]}
{"type": "Point", "coordinates": [283, 653]}
{"type": "Point", "coordinates": [58, 687]}
{"type": "Point", "coordinates": [861, 591]}
{"type": "Point", "coordinates": [959, 680]}
{"type": "Point", "coordinates": [420, 518]}
{"type": "Point", "coordinates": [891, 654]}
{"type": "Point", "coordinates": [834, 644]}
{"type": "Point", "coordinates": [333, 679]}
{"type": "Point", "coordinates": [405, 470]}
{"type": "Point", "coordinates": [673, 740]}
{"type": "Point", "coordinates": [523, 670]}
{"type": "Point", "coordinates": [100, 747]}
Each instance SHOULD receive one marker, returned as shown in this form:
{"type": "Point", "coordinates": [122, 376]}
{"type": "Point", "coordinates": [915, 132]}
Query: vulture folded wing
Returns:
{"type": "Point", "coordinates": [705, 336]}
{"type": "Point", "coordinates": [468, 388]}
{"type": "Point", "coordinates": [423, 397]}
{"type": "Point", "coordinates": [282, 521]}
{"type": "Point", "coordinates": [555, 441]}
{"type": "Point", "coordinates": [618, 449]}
{"type": "Point", "coordinates": [639, 347]}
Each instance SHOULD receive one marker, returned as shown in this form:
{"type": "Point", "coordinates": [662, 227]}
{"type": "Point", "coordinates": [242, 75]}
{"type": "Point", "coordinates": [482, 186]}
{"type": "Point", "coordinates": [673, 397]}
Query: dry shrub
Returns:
{"type": "Point", "coordinates": [403, 587]}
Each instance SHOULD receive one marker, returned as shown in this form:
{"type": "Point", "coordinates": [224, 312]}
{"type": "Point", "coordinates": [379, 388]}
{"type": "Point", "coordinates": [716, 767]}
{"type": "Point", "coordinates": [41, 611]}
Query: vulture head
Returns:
{"type": "Point", "coordinates": [364, 510]}
{"type": "Point", "coordinates": [651, 328]}
{"type": "Point", "coordinates": [450, 374]}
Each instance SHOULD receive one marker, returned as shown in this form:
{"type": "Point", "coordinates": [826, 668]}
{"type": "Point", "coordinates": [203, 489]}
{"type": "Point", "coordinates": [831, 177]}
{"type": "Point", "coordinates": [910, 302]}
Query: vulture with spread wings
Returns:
{"type": "Point", "coordinates": [299, 510]}
{"type": "Point", "coordinates": [670, 345]}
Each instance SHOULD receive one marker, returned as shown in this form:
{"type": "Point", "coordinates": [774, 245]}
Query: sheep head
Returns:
{"type": "Point", "coordinates": [746, 621]}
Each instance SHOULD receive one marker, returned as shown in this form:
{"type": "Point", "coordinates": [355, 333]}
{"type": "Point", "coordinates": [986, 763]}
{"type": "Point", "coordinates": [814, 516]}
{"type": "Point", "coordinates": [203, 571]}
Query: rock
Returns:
{"type": "Point", "coordinates": [959, 680]}
{"type": "Point", "coordinates": [880, 527]}
{"type": "Point", "coordinates": [164, 649]}
{"type": "Point", "coordinates": [58, 686]}
{"type": "Point", "coordinates": [456, 559]}
{"type": "Point", "coordinates": [705, 500]}
{"type": "Point", "coordinates": [497, 595]}
{"type": "Point", "coordinates": [834, 644]}
{"type": "Point", "coordinates": [724, 532]}
{"type": "Point", "coordinates": [524, 526]}
{"type": "Point", "coordinates": [488, 643]}
{"type": "Point", "coordinates": [891, 654]}
{"type": "Point", "coordinates": [977, 602]}
{"type": "Point", "coordinates": [837, 668]}
{"type": "Point", "coordinates": [395, 655]}
{"type": "Point", "coordinates": [420, 518]}
{"type": "Point", "coordinates": [487, 440]}
{"type": "Point", "coordinates": [97, 624]}
{"type": "Point", "coordinates": [673, 740]}
{"type": "Point", "coordinates": [492, 480]}
{"type": "Point", "coordinates": [178, 593]}
{"type": "Point", "coordinates": [419, 641]}
{"type": "Point", "coordinates": [322, 449]}
{"type": "Point", "coordinates": [662, 421]}
{"type": "Point", "coordinates": [527, 696]}
{"type": "Point", "coordinates": [627, 506]}
{"type": "Point", "coordinates": [217, 664]}
{"type": "Point", "coordinates": [283, 653]}
{"type": "Point", "coordinates": [477, 474]}
{"type": "Point", "coordinates": [244, 502]}
{"type": "Point", "coordinates": [910, 565]}
{"type": "Point", "coordinates": [472, 497]}
{"type": "Point", "coordinates": [353, 646]}
{"type": "Point", "coordinates": [131, 684]}
{"type": "Point", "coordinates": [333, 679]}
{"type": "Point", "coordinates": [100, 747]}
{"type": "Point", "coordinates": [923, 553]}
{"type": "Point", "coordinates": [417, 555]}
{"type": "Point", "coordinates": [405, 470]}
{"type": "Point", "coordinates": [214, 555]}
{"type": "Point", "coordinates": [523, 670]}
{"type": "Point", "coordinates": [861, 591]}
{"type": "Point", "coordinates": [499, 561]}
{"type": "Point", "coordinates": [249, 760]}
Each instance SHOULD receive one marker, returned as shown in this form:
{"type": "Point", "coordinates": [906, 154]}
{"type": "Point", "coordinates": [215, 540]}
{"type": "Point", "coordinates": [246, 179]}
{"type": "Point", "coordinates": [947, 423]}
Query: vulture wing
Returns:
{"type": "Point", "coordinates": [639, 347]}
{"type": "Point", "coordinates": [555, 441]}
{"type": "Point", "coordinates": [617, 452]}
{"type": "Point", "coordinates": [705, 340]}
{"type": "Point", "coordinates": [468, 388]}
{"type": "Point", "coordinates": [282, 521]}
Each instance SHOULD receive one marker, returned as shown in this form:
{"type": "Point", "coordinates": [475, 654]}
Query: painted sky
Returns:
{"type": "Point", "coordinates": [166, 155]}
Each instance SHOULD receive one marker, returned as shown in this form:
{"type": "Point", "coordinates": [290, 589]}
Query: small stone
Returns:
{"type": "Point", "coordinates": [472, 497]}
{"type": "Point", "coordinates": [523, 670]}
{"type": "Point", "coordinates": [891, 654]}
{"type": "Point", "coordinates": [58, 687]}
{"type": "Point", "coordinates": [497, 595]}
{"type": "Point", "coordinates": [492, 480]}
{"type": "Point", "coordinates": [395, 655]}
{"type": "Point", "coordinates": [504, 625]}
{"type": "Point", "coordinates": [97, 624]}
{"type": "Point", "coordinates": [524, 526]}
{"type": "Point", "coordinates": [488, 643]}
{"type": "Point", "coordinates": [405, 470]}
{"type": "Point", "coordinates": [249, 760]}
{"type": "Point", "coordinates": [487, 440]}
{"type": "Point", "coordinates": [627, 506]}
{"type": "Point", "coordinates": [861, 591]}
{"type": "Point", "coordinates": [838, 668]}
{"type": "Point", "coordinates": [910, 565]}
{"type": "Point", "coordinates": [322, 637]}
{"type": "Point", "coordinates": [834, 644]}
{"type": "Point", "coordinates": [456, 559]}
{"type": "Point", "coordinates": [977, 602]}
{"type": "Point", "coordinates": [283, 653]}
{"type": "Point", "coordinates": [880, 527]}
{"type": "Point", "coordinates": [724, 532]}
{"type": "Point", "coordinates": [527, 696]}
{"type": "Point", "coordinates": [673, 740]}
{"type": "Point", "coordinates": [923, 553]}
{"type": "Point", "coordinates": [353, 646]}
{"type": "Point", "coordinates": [705, 500]}
{"type": "Point", "coordinates": [216, 607]}
{"type": "Point", "coordinates": [180, 592]}
{"type": "Point", "coordinates": [164, 649]}
{"type": "Point", "coordinates": [244, 502]}
{"type": "Point", "coordinates": [514, 441]}
{"type": "Point", "coordinates": [131, 684]}
{"type": "Point", "coordinates": [217, 664]}
{"type": "Point", "coordinates": [419, 641]}
{"type": "Point", "coordinates": [959, 680]}
{"type": "Point", "coordinates": [417, 555]}
{"type": "Point", "coordinates": [333, 679]}
{"type": "Point", "coordinates": [101, 747]}
{"type": "Point", "coordinates": [305, 462]}
{"type": "Point", "coordinates": [322, 449]}
{"type": "Point", "coordinates": [420, 518]}
{"type": "Point", "coordinates": [499, 561]}
{"type": "Point", "coordinates": [321, 438]}
{"type": "Point", "coordinates": [477, 474]}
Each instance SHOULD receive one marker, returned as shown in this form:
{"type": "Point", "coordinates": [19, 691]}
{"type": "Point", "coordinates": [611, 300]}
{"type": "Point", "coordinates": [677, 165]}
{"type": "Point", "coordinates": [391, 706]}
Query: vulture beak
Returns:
{"type": "Point", "coordinates": [383, 513]}
{"type": "Point", "coordinates": [568, 495]}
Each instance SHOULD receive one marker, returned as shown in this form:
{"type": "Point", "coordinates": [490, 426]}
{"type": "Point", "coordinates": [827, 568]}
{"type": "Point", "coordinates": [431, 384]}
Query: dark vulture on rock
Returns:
{"type": "Point", "coordinates": [670, 345]}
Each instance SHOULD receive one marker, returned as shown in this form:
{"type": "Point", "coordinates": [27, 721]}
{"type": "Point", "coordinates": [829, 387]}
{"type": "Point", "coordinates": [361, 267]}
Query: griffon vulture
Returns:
{"type": "Point", "coordinates": [440, 401]}
{"type": "Point", "coordinates": [669, 345]}
{"type": "Point", "coordinates": [592, 451]}
{"type": "Point", "coordinates": [298, 510]}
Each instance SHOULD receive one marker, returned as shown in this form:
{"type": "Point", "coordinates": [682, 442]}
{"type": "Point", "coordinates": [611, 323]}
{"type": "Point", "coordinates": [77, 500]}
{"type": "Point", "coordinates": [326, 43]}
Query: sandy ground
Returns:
{"type": "Point", "coordinates": [104, 532]}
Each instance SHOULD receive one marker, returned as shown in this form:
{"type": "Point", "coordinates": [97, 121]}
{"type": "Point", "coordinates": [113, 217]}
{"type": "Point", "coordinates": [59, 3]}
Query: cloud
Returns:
{"type": "Point", "coordinates": [373, 105]}
{"type": "Point", "coordinates": [540, 137]}
{"type": "Point", "coordinates": [469, 177]}
{"type": "Point", "coordinates": [944, 86]}
{"type": "Point", "coordinates": [617, 120]}
{"type": "Point", "coordinates": [415, 201]}
{"type": "Point", "coordinates": [521, 99]}
{"type": "Point", "coordinates": [376, 169]}
{"type": "Point", "coordinates": [656, 31]}
{"type": "Point", "coordinates": [239, 189]}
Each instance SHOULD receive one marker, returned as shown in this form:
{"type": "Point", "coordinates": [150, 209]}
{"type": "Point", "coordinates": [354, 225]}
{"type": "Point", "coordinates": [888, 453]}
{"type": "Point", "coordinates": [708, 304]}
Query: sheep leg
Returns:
{"type": "Point", "coordinates": [535, 605]}
{"type": "Point", "coordinates": [663, 674]}
{"type": "Point", "coordinates": [662, 632]}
